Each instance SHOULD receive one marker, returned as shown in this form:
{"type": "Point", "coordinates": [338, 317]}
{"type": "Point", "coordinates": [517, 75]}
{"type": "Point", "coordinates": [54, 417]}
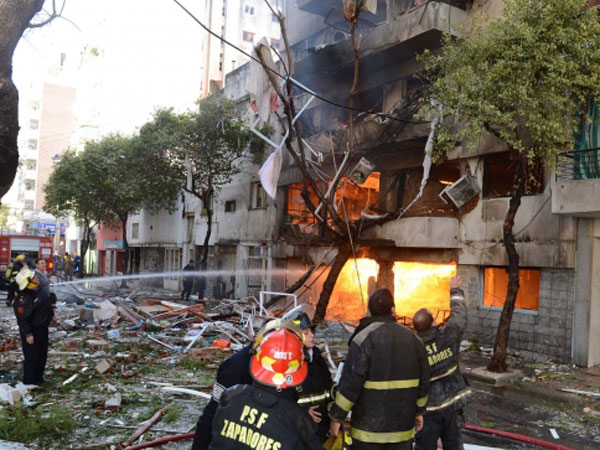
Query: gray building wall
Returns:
{"type": "Point", "coordinates": [538, 335]}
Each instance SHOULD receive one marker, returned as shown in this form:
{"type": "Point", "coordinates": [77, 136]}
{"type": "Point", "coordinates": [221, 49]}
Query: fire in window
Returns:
{"type": "Point", "coordinates": [416, 285]}
{"type": "Point", "coordinates": [297, 210]}
{"type": "Point", "coordinates": [257, 196]}
{"type": "Point", "coordinates": [495, 285]}
{"type": "Point", "coordinates": [499, 172]}
{"type": "Point", "coordinates": [357, 197]}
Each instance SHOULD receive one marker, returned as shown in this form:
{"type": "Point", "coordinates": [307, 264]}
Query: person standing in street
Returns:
{"type": "Point", "coordinates": [69, 264]}
{"type": "Point", "coordinates": [40, 272]}
{"type": "Point", "coordinates": [384, 381]}
{"type": "Point", "coordinates": [188, 281]}
{"type": "Point", "coordinates": [34, 314]}
{"type": "Point", "coordinates": [448, 390]}
{"type": "Point", "coordinates": [265, 415]}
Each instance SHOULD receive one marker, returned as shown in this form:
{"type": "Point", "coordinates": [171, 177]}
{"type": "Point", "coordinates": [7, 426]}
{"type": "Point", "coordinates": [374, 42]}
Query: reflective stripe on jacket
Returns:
{"type": "Point", "coordinates": [384, 382]}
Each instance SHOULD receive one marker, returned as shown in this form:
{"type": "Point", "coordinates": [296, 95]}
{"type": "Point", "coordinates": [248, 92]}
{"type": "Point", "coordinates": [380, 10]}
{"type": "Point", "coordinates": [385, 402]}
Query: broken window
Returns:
{"type": "Point", "coordinates": [495, 285]}
{"type": "Point", "coordinates": [297, 210]}
{"type": "Point", "coordinates": [356, 196]}
{"type": "Point", "coordinates": [430, 204]}
{"type": "Point", "coordinates": [499, 172]}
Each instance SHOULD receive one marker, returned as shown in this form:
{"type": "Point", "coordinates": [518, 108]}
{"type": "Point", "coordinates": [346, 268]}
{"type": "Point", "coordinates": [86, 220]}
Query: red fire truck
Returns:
{"type": "Point", "coordinates": [31, 246]}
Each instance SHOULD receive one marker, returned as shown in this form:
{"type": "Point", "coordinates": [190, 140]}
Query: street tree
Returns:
{"type": "Point", "coordinates": [524, 78]}
{"type": "Point", "coordinates": [15, 17]}
{"type": "Point", "coordinates": [124, 177]}
{"type": "Point", "coordinates": [207, 146]}
{"type": "Point", "coordinates": [69, 192]}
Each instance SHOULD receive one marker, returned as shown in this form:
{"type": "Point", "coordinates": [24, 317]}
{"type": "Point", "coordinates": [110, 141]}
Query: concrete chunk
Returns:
{"type": "Point", "coordinates": [104, 366]}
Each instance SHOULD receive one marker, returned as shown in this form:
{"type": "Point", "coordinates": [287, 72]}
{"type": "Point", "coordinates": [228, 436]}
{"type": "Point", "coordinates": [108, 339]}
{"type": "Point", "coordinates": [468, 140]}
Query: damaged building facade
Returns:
{"type": "Point", "coordinates": [557, 227]}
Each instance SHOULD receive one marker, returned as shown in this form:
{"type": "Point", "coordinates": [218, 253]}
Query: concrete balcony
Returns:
{"type": "Point", "coordinates": [389, 48]}
{"type": "Point", "coordinates": [418, 232]}
{"type": "Point", "coordinates": [30, 174]}
{"type": "Point", "coordinates": [576, 187]}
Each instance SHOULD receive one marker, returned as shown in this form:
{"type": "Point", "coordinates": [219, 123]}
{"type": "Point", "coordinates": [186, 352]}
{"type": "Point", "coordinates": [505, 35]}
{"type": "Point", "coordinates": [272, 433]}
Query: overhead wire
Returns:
{"type": "Point", "coordinates": [285, 77]}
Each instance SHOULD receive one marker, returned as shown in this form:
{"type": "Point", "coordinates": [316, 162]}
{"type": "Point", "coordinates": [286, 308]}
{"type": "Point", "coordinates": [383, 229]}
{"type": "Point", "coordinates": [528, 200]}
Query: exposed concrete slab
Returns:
{"type": "Point", "coordinates": [484, 375]}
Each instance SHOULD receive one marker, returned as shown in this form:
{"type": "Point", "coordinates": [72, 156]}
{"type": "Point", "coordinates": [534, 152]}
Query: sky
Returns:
{"type": "Point", "coordinates": [148, 55]}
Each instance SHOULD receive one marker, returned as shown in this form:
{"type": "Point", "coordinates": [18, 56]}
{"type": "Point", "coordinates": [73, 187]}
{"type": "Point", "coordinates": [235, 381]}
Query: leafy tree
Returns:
{"type": "Point", "coordinates": [208, 146]}
{"type": "Point", "coordinates": [15, 17]}
{"type": "Point", "coordinates": [126, 176]}
{"type": "Point", "coordinates": [69, 191]}
{"type": "Point", "coordinates": [520, 78]}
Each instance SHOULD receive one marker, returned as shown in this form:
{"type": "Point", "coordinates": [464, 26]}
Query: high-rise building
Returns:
{"type": "Point", "coordinates": [241, 22]}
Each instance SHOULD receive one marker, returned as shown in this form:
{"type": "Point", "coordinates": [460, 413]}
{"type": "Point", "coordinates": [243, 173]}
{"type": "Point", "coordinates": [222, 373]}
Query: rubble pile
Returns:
{"type": "Point", "coordinates": [116, 360]}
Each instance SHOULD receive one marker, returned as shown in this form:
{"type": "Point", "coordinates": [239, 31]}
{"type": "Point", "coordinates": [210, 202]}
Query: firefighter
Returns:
{"type": "Point", "coordinates": [448, 390]}
{"type": "Point", "coordinates": [384, 381]}
{"type": "Point", "coordinates": [234, 370]}
{"type": "Point", "coordinates": [11, 273]}
{"type": "Point", "coordinates": [265, 415]}
{"type": "Point", "coordinates": [314, 391]}
{"type": "Point", "coordinates": [34, 313]}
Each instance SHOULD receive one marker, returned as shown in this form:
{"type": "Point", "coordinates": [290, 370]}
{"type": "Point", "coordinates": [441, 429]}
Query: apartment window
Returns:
{"type": "Point", "coordinates": [495, 283]}
{"type": "Point", "coordinates": [248, 36]}
{"type": "Point", "coordinates": [135, 231]}
{"type": "Point", "coordinates": [249, 10]}
{"type": "Point", "coordinates": [28, 204]}
{"type": "Point", "coordinates": [499, 171]}
{"type": "Point", "coordinates": [230, 206]}
{"type": "Point", "coordinates": [274, 18]}
{"type": "Point", "coordinates": [30, 164]}
{"type": "Point", "coordinates": [29, 185]}
{"type": "Point", "coordinates": [257, 196]}
{"type": "Point", "coordinates": [220, 66]}
{"type": "Point", "coordinates": [34, 124]}
{"type": "Point", "coordinates": [275, 43]}
{"type": "Point", "coordinates": [32, 144]}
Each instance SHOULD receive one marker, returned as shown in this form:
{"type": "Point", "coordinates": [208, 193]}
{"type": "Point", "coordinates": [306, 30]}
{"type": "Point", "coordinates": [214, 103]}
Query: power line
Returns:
{"type": "Point", "coordinates": [323, 99]}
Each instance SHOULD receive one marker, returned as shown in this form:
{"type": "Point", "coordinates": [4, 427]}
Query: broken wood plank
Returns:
{"type": "Point", "coordinates": [145, 427]}
{"type": "Point", "coordinates": [197, 309]}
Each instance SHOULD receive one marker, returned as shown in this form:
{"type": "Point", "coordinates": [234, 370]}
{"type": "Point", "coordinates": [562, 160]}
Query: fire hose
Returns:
{"type": "Point", "coordinates": [517, 437]}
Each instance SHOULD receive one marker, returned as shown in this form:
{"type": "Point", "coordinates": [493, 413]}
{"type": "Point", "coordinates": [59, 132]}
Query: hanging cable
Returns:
{"type": "Point", "coordinates": [284, 77]}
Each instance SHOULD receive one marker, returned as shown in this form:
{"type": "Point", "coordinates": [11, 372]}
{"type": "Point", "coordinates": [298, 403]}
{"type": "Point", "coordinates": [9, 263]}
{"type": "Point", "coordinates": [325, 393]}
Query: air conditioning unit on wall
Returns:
{"type": "Point", "coordinates": [361, 171]}
{"type": "Point", "coordinates": [460, 192]}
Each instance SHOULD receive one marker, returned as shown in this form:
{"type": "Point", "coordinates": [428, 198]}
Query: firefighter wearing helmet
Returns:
{"type": "Point", "coordinates": [10, 276]}
{"type": "Point", "coordinates": [265, 415]}
{"type": "Point", "coordinates": [34, 313]}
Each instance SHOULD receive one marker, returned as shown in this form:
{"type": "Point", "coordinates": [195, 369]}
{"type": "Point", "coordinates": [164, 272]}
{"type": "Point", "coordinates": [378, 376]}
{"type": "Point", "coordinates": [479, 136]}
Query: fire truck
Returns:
{"type": "Point", "coordinates": [31, 246]}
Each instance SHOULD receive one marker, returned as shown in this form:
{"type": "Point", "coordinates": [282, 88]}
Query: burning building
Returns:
{"type": "Point", "coordinates": [454, 227]}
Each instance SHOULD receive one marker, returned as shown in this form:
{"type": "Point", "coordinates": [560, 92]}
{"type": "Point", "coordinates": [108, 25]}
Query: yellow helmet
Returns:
{"type": "Point", "coordinates": [26, 279]}
{"type": "Point", "coordinates": [20, 258]}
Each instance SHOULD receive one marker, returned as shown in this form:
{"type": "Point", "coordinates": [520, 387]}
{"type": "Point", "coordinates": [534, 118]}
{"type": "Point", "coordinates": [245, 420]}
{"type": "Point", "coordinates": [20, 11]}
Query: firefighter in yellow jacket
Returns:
{"type": "Point", "coordinates": [10, 275]}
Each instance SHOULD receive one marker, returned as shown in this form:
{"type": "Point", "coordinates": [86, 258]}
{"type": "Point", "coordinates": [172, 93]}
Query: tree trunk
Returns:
{"type": "Point", "coordinates": [344, 253]}
{"type": "Point", "coordinates": [498, 363]}
{"type": "Point", "coordinates": [15, 15]}
{"type": "Point", "coordinates": [125, 257]}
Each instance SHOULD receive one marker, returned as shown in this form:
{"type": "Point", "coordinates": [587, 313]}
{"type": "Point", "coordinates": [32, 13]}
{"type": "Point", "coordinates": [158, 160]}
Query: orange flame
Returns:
{"type": "Point", "coordinates": [416, 286]}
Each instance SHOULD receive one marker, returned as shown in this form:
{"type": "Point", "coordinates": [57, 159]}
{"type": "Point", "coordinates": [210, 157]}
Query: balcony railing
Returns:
{"type": "Point", "coordinates": [578, 165]}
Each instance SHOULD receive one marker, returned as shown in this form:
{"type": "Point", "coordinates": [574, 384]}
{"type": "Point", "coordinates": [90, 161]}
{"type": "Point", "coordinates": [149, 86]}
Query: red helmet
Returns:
{"type": "Point", "coordinates": [279, 360]}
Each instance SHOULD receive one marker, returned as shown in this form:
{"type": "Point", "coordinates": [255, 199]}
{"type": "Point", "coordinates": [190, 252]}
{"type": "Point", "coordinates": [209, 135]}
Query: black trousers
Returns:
{"type": "Point", "coordinates": [187, 290]}
{"type": "Point", "coordinates": [35, 356]}
{"type": "Point", "coordinates": [12, 288]}
{"type": "Point", "coordinates": [358, 445]}
{"type": "Point", "coordinates": [441, 424]}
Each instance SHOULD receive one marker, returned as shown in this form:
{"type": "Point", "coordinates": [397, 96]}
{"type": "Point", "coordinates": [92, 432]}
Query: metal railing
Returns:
{"type": "Point", "coordinates": [578, 165]}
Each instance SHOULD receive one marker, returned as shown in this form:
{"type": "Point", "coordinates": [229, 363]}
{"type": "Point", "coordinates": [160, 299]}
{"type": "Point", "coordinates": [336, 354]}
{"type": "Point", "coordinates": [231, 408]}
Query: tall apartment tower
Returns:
{"type": "Point", "coordinates": [241, 22]}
